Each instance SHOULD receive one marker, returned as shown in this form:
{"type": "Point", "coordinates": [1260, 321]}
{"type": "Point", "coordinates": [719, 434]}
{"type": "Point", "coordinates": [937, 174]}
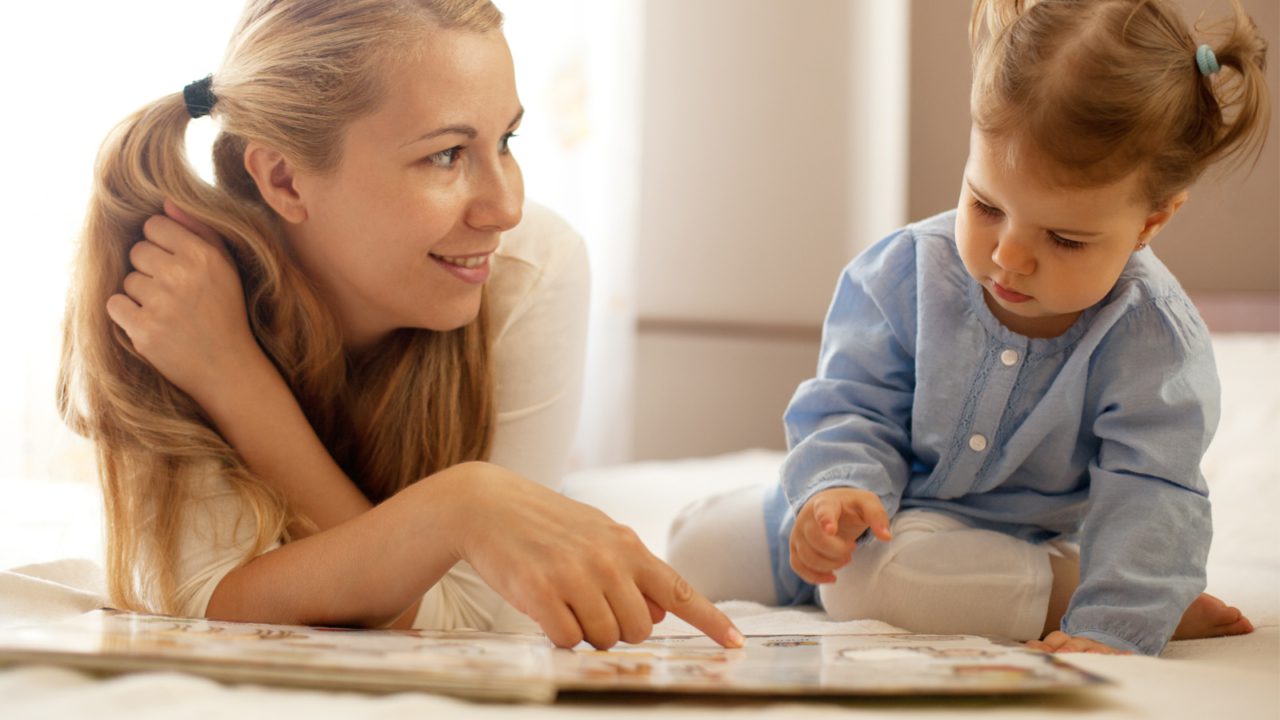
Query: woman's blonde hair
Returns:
{"type": "Point", "coordinates": [296, 73]}
{"type": "Point", "coordinates": [1103, 88]}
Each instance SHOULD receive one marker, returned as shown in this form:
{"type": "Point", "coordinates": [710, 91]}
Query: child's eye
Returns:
{"type": "Point", "coordinates": [985, 209]}
{"type": "Point", "coordinates": [504, 147]}
{"type": "Point", "coordinates": [1064, 243]}
{"type": "Point", "coordinates": [445, 158]}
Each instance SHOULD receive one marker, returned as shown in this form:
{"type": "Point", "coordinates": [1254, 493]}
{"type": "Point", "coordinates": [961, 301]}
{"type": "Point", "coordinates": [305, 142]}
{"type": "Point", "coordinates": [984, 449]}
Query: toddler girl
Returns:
{"type": "Point", "coordinates": [1008, 379]}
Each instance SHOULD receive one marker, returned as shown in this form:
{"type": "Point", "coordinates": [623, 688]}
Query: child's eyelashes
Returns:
{"type": "Point", "coordinates": [447, 159]}
{"type": "Point", "coordinates": [1059, 241]}
{"type": "Point", "coordinates": [1065, 243]}
{"type": "Point", "coordinates": [985, 209]}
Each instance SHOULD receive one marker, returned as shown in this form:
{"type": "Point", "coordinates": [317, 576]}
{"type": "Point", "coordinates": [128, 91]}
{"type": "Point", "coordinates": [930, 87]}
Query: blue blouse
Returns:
{"type": "Point", "coordinates": [923, 397]}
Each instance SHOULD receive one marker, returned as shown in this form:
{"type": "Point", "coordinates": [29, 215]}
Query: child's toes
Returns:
{"type": "Point", "coordinates": [1208, 616]}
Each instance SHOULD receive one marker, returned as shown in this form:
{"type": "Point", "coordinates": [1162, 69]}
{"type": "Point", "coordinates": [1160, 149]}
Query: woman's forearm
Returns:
{"type": "Point", "coordinates": [259, 416]}
{"type": "Point", "coordinates": [367, 571]}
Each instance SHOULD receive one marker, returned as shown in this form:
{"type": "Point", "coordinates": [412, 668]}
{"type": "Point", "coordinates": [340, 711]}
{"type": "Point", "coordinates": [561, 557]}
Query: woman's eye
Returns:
{"type": "Point", "coordinates": [444, 158]}
{"type": "Point", "coordinates": [985, 209]}
{"type": "Point", "coordinates": [1064, 243]}
{"type": "Point", "coordinates": [505, 146]}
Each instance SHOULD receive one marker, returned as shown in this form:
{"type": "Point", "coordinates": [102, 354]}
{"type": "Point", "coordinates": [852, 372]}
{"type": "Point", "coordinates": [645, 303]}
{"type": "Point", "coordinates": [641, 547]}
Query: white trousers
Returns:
{"type": "Point", "coordinates": [937, 575]}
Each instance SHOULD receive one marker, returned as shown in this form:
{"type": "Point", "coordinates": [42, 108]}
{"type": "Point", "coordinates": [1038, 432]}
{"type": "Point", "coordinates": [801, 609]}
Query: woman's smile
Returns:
{"type": "Point", "coordinates": [472, 269]}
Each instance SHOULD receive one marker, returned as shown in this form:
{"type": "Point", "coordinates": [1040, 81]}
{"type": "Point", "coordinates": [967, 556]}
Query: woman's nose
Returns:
{"type": "Point", "coordinates": [1013, 254]}
{"type": "Point", "coordinates": [498, 203]}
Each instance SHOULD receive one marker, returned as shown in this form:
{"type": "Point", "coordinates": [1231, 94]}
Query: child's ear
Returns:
{"type": "Point", "coordinates": [273, 173]}
{"type": "Point", "coordinates": [1161, 217]}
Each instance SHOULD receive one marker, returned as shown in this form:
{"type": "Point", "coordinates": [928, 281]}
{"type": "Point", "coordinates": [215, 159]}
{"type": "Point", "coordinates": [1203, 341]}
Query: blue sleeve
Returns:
{"type": "Point", "coordinates": [849, 425]}
{"type": "Point", "coordinates": [1146, 532]}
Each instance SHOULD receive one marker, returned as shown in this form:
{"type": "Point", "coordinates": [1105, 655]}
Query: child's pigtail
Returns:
{"type": "Point", "coordinates": [1238, 103]}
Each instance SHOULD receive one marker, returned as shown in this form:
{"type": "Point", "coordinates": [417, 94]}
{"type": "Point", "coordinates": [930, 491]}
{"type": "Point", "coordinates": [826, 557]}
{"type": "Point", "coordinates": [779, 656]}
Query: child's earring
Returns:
{"type": "Point", "coordinates": [1141, 244]}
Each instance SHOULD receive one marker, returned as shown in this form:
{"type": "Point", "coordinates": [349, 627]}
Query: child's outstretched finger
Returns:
{"type": "Point", "coordinates": [871, 511]}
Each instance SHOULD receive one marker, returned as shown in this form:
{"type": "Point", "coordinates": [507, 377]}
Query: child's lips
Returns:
{"type": "Point", "coordinates": [1008, 295]}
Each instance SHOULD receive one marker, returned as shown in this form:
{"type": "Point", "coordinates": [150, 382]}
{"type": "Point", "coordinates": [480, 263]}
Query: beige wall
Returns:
{"type": "Point", "coordinates": [1227, 238]}
{"type": "Point", "coordinates": [771, 155]}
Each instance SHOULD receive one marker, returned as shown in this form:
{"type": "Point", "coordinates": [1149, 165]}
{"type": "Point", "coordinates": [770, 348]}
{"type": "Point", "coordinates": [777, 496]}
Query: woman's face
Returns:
{"type": "Point", "coordinates": [402, 232]}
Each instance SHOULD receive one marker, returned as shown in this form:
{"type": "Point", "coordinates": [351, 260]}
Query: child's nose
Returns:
{"type": "Point", "coordinates": [1013, 253]}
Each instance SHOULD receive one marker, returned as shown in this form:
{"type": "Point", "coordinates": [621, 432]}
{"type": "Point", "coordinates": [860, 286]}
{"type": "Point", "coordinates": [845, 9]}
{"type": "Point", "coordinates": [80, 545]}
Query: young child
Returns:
{"type": "Point", "coordinates": [1007, 379]}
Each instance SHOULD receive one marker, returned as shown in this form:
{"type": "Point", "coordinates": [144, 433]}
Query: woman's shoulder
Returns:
{"type": "Point", "coordinates": [543, 254]}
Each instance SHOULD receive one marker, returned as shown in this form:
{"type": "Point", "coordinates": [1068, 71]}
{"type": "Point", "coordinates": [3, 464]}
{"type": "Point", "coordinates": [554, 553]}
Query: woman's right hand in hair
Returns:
{"type": "Point", "coordinates": [183, 305]}
{"type": "Point", "coordinates": [568, 566]}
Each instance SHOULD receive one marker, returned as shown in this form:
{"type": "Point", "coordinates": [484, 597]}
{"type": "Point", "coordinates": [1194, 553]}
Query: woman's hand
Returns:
{"type": "Point", "coordinates": [576, 572]}
{"type": "Point", "coordinates": [183, 305]}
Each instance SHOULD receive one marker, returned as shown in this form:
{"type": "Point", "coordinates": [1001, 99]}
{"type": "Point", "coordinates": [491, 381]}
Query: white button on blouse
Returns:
{"type": "Point", "coordinates": [977, 442]}
{"type": "Point", "coordinates": [1009, 358]}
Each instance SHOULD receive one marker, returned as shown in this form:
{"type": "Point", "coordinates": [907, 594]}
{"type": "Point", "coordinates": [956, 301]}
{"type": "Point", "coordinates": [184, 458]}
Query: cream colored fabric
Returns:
{"type": "Point", "coordinates": [538, 302]}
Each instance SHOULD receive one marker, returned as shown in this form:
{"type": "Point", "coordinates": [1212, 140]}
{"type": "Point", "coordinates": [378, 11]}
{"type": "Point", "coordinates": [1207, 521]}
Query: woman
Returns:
{"type": "Point", "coordinates": [301, 426]}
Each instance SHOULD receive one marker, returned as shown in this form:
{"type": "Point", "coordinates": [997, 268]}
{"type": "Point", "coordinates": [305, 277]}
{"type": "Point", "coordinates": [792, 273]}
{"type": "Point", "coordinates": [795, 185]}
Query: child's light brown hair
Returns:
{"type": "Point", "coordinates": [1104, 88]}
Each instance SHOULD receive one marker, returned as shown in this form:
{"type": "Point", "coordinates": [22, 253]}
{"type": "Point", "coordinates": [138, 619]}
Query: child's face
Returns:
{"type": "Point", "coordinates": [402, 232]}
{"type": "Point", "coordinates": [1044, 253]}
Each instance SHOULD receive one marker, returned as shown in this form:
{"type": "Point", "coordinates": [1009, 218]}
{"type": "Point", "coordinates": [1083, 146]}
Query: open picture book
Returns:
{"type": "Point", "coordinates": [526, 667]}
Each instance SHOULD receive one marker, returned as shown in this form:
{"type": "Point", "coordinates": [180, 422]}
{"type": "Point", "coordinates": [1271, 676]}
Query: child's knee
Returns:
{"type": "Point", "coordinates": [945, 579]}
{"type": "Point", "coordinates": [692, 537]}
{"type": "Point", "coordinates": [718, 544]}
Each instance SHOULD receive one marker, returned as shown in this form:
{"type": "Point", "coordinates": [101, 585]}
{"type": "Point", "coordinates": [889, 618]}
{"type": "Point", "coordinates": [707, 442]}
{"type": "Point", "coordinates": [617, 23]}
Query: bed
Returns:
{"type": "Point", "coordinates": [47, 525]}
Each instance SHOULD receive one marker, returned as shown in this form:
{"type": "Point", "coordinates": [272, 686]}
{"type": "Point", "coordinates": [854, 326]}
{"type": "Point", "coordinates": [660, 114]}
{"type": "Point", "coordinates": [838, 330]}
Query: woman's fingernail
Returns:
{"type": "Point", "coordinates": [736, 639]}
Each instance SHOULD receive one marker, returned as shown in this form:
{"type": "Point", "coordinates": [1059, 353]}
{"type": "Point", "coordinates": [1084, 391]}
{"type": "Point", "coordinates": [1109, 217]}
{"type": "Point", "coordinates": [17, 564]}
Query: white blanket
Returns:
{"type": "Point", "coordinates": [1220, 678]}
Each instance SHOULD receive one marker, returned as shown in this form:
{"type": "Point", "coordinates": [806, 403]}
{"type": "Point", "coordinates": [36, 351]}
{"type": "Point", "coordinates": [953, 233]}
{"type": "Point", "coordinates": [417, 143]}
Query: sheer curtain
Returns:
{"type": "Point", "coordinates": [70, 72]}
{"type": "Point", "coordinates": [578, 67]}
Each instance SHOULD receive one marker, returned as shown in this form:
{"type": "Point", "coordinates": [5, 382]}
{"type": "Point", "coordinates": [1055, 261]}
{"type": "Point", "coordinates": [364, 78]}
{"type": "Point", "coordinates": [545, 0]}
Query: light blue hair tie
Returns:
{"type": "Point", "coordinates": [1206, 60]}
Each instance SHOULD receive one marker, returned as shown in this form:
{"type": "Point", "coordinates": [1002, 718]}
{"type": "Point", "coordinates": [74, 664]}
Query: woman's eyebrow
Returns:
{"type": "Point", "coordinates": [465, 130]}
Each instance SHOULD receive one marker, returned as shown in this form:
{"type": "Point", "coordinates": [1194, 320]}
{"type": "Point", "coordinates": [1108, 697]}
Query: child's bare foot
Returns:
{"type": "Point", "coordinates": [1210, 617]}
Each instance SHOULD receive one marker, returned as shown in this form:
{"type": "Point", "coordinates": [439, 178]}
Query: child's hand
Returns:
{"type": "Point", "coordinates": [1058, 641]}
{"type": "Point", "coordinates": [828, 527]}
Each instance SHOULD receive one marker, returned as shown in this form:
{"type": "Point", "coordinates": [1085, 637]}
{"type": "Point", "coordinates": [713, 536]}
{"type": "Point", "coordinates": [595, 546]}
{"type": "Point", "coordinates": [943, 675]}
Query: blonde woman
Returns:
{"type": "Point", "coordinates": [356, 409]}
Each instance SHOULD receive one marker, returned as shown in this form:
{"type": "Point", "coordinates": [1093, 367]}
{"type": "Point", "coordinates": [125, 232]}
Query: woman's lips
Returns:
{"type": "Point", "coordinates": [1008, 295]}
{"type": "Point", "coordinates": [473, 269]}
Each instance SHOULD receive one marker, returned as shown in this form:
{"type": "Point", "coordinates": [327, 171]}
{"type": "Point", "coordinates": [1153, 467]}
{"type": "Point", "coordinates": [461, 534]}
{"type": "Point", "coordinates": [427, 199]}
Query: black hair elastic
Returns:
{"type": "Point", "coordinates": [199, 97]}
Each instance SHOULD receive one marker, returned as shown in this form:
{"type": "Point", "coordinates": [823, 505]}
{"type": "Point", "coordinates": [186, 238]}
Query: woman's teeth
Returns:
{"type": "Point", "coordinates": [463, 262]}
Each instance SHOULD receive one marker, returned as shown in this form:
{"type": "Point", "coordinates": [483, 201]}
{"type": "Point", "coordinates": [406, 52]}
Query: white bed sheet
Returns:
{"type": "Point", "coordinates": [1226, 677]}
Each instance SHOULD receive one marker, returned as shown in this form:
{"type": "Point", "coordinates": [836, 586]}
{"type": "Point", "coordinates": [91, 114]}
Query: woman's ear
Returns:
{"type": "Point", "coordinates": [1161, 217]}
{"type": "Point", "coordinates": [273, 173]}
